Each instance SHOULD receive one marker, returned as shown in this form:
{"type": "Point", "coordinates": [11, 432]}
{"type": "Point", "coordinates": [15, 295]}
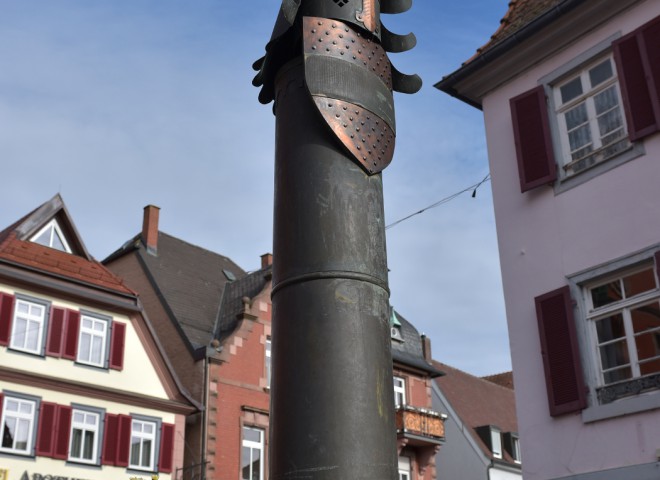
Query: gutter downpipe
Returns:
{"type": "Point", "coordinates": [447, 83]}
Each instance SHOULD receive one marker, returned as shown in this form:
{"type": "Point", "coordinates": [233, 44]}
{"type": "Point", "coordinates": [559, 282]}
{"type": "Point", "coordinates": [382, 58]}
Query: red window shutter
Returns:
{"type": "Point", "coordinates": [63, 432]}
{"type": "Point", "coordinates": [55, 332]}
{"type": "Point", "coordinates": [117, 345]}
{"type": "Point", "coordinates": [46, 429]}
{"type": "Point", "coordinates": [110, 430]}
{"type": "Point", "coordinates": [6, 314]}
{"type": "Point", "coordinates": [637, 57]}
{"type": "Point", "coordinates": [166, 457]}
{"type": "Point", "coordinates": [531, 131]}
{"type": "Point", "coordinates": [72, 327]}
{"type": "Point", "coordinates": [561, 356]}
{"type": "Point", "coordinates": [123, 441]}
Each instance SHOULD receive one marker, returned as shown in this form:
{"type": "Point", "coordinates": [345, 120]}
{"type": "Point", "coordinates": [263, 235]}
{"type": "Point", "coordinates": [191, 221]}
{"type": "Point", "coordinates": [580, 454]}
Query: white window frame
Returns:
{"type": "Point", "coordinates": [587, 98]}
{"type": "Point", "coordinates": [140, 437]}
{"type": "Point", "coordinates": [26, 419]}
{"type": "Point", "coordinates": [253, 446]}
{"type": "Point", "coordinates": [515, 448]}
{"type": "Point", "coordinates": [496, 442]}
{"type": "Point", "coordinates": [624, 307]}
{"type": "Point", "coordinates": [404, 467]}
{"type": "Point", "coordinates": [399, 391]}
{"type": "Point", "coordinates": [85, 427]}
{"type": "Point", "coordinates": [87, 335]}
{"type": "Point", "coordinates": [55, 229]}
{"type": "Point", "coordinates": [558, 76]}
{"type": "Point", "coordinates": [30, 320]}
{"type": "Point", "coordinates": [267, 360]}
{"type": "Point", "coordinates": [627, 405]}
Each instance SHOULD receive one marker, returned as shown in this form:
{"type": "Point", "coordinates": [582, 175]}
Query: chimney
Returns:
{"type": "Point", "coordinates": [266, 260]}
{"type": "Point", "coordinates": [426, 348]}
{"type": "Point", "coordinates": [150, 228]}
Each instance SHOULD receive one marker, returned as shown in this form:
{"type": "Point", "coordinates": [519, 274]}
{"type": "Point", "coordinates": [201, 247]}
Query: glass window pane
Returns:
{"type": "Point", "coordinates": [18, 335]}
{"type": "Point", "coordinates": [135, 451]}
{"type": "Point", "coordinates": [245, 463]}
{"type": "Point", "coordinates": [606, 294]}
{"type": "Point", "coordinates": [57, 243]}
{"type": "Point", "coordinates": [21, 438]}
{"type": "Point", "coordinates": [600, 73]}
{"type": "Point", "coordinates": [44, 238]}
{"type": "Point", "coordinates": [649, 368]}
{"type": "Point", "coordinates": [606, 100]}
{"type": "Point", "coordinates": [89, 446]}
{"type": "Point", "coordinates": [252, 435]}
{"type": "Point", "coordinates": [97, 348]}
{"type": "Point", "coordinates": [609, 122]}
{"type": "Point", "coordinates": [76, 443]}
{"type": "Point", "coordinates": [576, 116]}
{"type": "Point", "coordinates": [146, 453]}
{"type": "Point", "coordinates": [646, 317]}
{"type": "Point", "coordinates": [647, 345]}
{"type": "Point", "coordinates": [9, 432]}
{"type": "Point", "coordinates": [639, 282]}
{"type": "Point", "coordinates": [84, 347]}
{"type": "Point", "coordinates": [256, 464]}
{"type": "Point", "coordinates": [610, 328]}
{"type": "Point", "coordinates": [571, 90]}
{"type": "Point", "coordinates": [617, 375]}
{"type": "Point", "coordinates": [614, 355]}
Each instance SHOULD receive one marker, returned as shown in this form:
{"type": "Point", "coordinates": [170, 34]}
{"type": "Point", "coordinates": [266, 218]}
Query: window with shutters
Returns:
{"type": "Point", "coordinates": [618, 324]}
{"type": "Point", "coordinates": [18, 424]}
{"type": "Point", "coordinates": [84, 438]}
{"type": "Point", "coordinates": [623, 316]}
{"type": "Point", "coordinates": [590, 116]}
{"type": "Point", "coordinates": [93, 340]}
{"type": "Point", "coordinates": [28, 325]}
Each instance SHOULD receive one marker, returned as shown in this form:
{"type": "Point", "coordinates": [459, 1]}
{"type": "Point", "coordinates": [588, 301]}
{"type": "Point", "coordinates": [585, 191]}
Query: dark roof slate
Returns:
{"type": "Point", "coordinates": [232, 300]}
{"type": "Point", "coordinates": [410, 351]}
{"type": "Point", "coordinates": [478, 402]}
{"type": "Point", "coordinates": [191, 281]}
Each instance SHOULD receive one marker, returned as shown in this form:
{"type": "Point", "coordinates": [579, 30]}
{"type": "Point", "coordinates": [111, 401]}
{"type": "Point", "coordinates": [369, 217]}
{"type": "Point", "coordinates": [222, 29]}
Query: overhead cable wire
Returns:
{"type": "Point", "coordinates": [443, 201]}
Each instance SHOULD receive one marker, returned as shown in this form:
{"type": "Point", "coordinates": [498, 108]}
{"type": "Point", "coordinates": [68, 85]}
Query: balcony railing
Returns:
{"type": "Point", "coordinates": [419, 425]}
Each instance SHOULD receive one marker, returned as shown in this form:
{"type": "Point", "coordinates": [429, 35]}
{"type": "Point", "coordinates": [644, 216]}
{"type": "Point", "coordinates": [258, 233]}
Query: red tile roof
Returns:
{"type": "Point", "coordinates": [504, 379]}
{"type": "Point", "coordinates": [478, 402]}
{"type": "Point", "coordinates": [520, 14]}
{"type": "Point", "coordinates": [49, 260]}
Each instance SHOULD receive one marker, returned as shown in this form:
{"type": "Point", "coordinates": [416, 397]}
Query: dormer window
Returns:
{"type": "Point", "coordinates": [51, 236]}
{"type": "Point", "coordinates": [395, 327]}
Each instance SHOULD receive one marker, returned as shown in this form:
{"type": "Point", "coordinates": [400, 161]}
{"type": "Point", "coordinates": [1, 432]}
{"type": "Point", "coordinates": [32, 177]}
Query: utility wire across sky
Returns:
{"type": "Point", "coordinates": [443, 201]}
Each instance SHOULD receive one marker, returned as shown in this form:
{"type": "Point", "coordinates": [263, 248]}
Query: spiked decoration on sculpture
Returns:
{"type": "Point", "coordinates": [347, 71]}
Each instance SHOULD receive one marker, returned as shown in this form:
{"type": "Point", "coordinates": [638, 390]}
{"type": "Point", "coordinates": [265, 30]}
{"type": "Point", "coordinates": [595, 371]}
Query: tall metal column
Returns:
{"type": "Point", "coordinates": [332, 405]}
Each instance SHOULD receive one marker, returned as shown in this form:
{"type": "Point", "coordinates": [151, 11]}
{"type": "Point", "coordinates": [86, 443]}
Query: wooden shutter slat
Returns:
{"type": "Point", "coordinates": [46, 429]}
{"type": "Point", "coordinates": [637, 56]}
{"type": "Point", "coordinates": [72, 327]}
{"type": "Point", "coordinates": [166, 457]}
{"type": "Point", "coordinates": [531, 130]}
{"type": "Point", "coordinates": [560, 352]}
{"type": "Point", "coordinates": [6, 314]}
{"type": "Point", "coordinates": [117, 346]}
{"type": "Point", "coordinates": [123, 441]}
{"type": "Point", "coordinates": [55, 332]}
{"type": "Point", "coordinates": [63, 432]}
{"type": "Point", "coordinates": [110, 441]}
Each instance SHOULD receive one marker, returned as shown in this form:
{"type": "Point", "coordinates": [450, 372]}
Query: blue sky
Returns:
{"type": "Point", "coordinates": [117, 104]}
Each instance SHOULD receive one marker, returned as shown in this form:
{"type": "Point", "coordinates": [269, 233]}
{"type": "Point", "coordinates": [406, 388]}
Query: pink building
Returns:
{"type": "Point", "coordinates": [570, 91]}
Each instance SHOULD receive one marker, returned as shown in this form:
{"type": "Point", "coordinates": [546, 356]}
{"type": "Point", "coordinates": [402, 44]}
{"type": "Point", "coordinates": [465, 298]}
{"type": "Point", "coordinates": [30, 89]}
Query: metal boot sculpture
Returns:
{"type": "Point", "coordinates": [327, 71]}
